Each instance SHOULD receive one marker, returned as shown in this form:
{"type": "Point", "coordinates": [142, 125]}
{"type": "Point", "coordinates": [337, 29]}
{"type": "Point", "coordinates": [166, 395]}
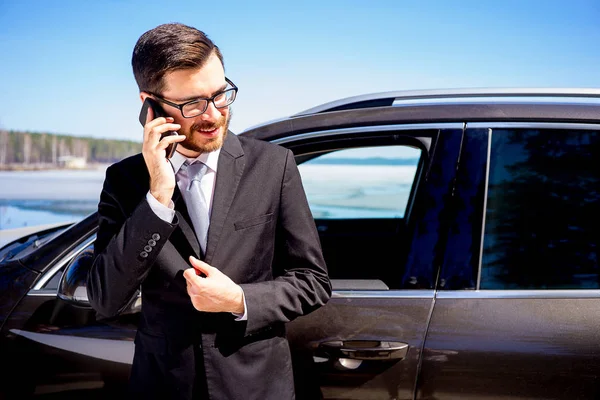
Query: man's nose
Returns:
{"type": "Point", "coordinates": [211, 113]}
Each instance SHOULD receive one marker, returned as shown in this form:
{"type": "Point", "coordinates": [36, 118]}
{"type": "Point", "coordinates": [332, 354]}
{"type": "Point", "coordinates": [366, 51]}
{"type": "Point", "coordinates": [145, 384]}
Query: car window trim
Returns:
{"type": "Point", "coordinates": [519, 294]}
{"type": "Point", "coordinates": [533, 125]}
{"type": "Point", "coordinates": [384, 294]}
{"type": "Point", "coordinates": [38, 288]}
{"type": "Point", "coordinates": [369, 129]}
{"type": "Point", "coordinates": [488, 157]}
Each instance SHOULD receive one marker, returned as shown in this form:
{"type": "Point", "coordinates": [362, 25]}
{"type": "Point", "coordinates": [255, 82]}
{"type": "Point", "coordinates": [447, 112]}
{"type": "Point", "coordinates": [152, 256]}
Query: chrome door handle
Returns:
{"type": "Point", "coordinates": [364, 349]}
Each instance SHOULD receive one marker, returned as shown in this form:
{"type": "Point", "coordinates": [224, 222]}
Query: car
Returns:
{"type": "Point", "coordinates": [460, 232]}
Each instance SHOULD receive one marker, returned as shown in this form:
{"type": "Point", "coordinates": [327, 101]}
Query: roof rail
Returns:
{"type": "Point", "coordinates": [397, 97]}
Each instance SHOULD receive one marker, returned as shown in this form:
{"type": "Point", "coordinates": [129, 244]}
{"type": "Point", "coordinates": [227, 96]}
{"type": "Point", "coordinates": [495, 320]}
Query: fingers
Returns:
{"type": "Point", "coordinates": [201, 266]}
{"type": "Point", "coordinates": [216, 293]}
{"type": "Point", "coordinates": [169, 139]}
{"type": "Point", "coordinates": [153, 130]}
{"type": "Point", "coordinates": [193, 283]}
{"type": "Point", "coordinates": [153, 146]}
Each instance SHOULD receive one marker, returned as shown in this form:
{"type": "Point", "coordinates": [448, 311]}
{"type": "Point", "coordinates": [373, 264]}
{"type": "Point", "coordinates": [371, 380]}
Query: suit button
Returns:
{"type": "Point", "coordinates": [148, 248]}
{"type": "Point", "coordinates": [152, 242]}
{"type": "Point", "coordinates": [143, 254]}
{"type": "Point", "coordinates": [155, 236]}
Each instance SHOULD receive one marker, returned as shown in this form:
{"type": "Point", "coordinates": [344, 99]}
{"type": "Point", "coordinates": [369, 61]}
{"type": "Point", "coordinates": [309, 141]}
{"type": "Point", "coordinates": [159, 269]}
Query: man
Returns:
{"type": "Point", "coordinates": [213, 309]}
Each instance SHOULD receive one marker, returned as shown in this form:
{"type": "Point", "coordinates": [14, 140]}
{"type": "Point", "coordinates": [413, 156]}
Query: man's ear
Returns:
{"type": "Point", "coordinates": [143, 95]}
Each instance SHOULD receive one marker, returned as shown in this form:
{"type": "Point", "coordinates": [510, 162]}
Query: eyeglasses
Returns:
{"type": "Point", "coordinates": [198, 106]}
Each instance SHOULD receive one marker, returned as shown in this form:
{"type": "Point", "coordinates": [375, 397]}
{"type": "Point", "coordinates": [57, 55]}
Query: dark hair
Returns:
{"type": "Point", "coordinates": [166, 48]}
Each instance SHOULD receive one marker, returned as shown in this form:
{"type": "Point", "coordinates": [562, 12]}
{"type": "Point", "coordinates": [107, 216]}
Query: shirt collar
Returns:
{"type": "Point", "coordinates": [210, 159]}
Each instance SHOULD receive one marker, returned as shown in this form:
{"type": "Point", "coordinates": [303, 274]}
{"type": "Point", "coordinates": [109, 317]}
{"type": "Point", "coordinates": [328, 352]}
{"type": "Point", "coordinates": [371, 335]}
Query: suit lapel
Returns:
{"type": "Point", "coordinates": [185, 223]}
{"type": "Point", "coordinates": [229, 172]}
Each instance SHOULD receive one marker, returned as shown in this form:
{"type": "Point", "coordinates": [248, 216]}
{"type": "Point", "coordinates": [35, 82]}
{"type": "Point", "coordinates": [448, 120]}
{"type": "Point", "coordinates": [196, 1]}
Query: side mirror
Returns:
{"type": "Point", "coordinates": [72, 287]}
{"type": "Point", "coordinates": [73, 282]}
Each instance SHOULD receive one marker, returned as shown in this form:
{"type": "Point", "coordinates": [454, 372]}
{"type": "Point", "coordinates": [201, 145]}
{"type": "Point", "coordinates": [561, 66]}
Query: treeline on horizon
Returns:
{"type": "Point", "coordinates": [51, 149]}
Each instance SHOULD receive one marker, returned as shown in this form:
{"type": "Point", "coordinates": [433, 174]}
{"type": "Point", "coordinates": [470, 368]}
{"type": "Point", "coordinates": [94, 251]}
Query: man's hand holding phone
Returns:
{"type": "Point", "coordinates": [160, 132]}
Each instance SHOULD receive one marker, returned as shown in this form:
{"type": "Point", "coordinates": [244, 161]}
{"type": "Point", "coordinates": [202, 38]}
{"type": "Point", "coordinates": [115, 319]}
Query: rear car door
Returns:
{"type": "Point", "coordinates": [517, 313]}
{"type": "Point", "coordinates": [378, 198]}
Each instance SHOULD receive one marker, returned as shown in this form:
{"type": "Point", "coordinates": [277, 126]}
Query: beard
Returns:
{"type": "Point", "coordinates": [202, 145]}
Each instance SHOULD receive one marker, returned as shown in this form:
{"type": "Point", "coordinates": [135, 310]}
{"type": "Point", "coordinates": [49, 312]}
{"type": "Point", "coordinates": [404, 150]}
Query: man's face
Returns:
{"type": "Point", "coordinates": [207, 131]}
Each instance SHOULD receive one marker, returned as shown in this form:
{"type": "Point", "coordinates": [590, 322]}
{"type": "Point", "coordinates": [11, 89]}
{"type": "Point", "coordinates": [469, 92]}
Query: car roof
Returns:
{"type": "Point", "coordinates": [580, 105]}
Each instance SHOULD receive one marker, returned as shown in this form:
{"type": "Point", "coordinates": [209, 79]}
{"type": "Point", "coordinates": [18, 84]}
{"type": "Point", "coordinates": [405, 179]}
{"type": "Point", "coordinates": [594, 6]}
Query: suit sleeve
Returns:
{"type": "Point", "coordinates": [126, 246]}
{"type": "Point", "coordinates": [301, 283]}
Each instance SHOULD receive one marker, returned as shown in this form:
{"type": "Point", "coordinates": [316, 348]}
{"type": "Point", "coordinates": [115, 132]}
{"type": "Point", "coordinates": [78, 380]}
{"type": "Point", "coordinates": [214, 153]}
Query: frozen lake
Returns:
{"type": "Point", "coordinates": [52, 184]}
{"type": "Point", "coordinates": [29, 198]}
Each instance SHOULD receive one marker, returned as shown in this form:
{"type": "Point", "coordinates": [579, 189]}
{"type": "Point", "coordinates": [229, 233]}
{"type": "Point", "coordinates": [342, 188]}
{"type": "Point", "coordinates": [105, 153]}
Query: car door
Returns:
{"type": "Point", "coordinates": [516, 315]}
{"type": "Point", "coordinates": [378, 198]}
{"type": "Point", "coordinates": [53, 344]}
{"type": "Point", "coordinates": [57, 344]}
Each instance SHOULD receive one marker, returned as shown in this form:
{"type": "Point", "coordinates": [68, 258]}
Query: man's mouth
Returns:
{"type": "Point", "coordinates": [209, 130]}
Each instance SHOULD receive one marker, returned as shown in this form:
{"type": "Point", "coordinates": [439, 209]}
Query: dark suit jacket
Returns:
{"type": "Point", "coordinates": [262, 235]}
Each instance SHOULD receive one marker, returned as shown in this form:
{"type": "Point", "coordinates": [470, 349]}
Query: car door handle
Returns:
{"type": "Point", "coordinates": [364, 349]}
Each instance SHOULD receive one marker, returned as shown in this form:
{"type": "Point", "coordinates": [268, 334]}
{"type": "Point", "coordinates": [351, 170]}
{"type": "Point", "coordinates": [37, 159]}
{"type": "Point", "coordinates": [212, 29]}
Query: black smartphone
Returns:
{"type": "Point", "coordinates": [158, 112]}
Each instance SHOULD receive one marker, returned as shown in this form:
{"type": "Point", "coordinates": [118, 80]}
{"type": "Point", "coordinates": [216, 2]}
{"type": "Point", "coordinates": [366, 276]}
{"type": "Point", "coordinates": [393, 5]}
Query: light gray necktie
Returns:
{"type": "Point", "coordinates": [195, 201]}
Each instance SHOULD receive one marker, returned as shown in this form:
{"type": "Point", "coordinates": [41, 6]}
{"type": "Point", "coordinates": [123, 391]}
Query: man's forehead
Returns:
{"type": "Point", "coordinates": [184, 84]}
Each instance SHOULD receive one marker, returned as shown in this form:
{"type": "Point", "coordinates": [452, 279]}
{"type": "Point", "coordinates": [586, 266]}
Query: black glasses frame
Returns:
{"type": "Point", "coordinates": [207, 99]}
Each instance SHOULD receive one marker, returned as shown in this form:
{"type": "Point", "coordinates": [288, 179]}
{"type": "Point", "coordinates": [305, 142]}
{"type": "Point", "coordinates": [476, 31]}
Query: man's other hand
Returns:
{"type": "Point", "coordinates": [211, 290]}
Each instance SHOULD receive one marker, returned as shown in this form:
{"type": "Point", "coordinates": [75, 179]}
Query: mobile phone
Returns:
{"type": "Point", "coordinates": [158, 112]}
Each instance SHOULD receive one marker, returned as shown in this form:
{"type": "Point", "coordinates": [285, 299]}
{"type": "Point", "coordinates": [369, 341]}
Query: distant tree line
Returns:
{"type": "Point", "coordinates": [29, 148]}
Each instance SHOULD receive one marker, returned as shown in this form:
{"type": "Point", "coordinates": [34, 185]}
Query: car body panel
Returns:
{"type": "Point", "coordinates": [397, 317]}
{"type": "Point", "coordinates": [16, 281]}
{"type": "Point", "coordinates": [487, 346]}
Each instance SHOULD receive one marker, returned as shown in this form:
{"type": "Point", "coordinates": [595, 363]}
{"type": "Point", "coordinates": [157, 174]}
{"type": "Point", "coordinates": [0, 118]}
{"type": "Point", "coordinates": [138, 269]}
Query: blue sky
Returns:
{"type": "Point", "coordinates": [66, 69]}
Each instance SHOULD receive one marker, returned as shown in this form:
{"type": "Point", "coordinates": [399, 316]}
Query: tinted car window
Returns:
{"type": "Point", "coordinates": [541, 224]}
{"type": "Point", "coordinates": [367, 182]}
{"type": "Point", "coordinates": [52, 284]}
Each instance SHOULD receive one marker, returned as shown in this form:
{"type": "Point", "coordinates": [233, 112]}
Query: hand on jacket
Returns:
{"type": "Point", "coordinates": [211, 290]}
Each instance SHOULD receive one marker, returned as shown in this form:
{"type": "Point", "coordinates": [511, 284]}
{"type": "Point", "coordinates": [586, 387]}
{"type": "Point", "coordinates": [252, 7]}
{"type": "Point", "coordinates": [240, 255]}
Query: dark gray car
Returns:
{"type": "Point", "coordinates": [460, 229]}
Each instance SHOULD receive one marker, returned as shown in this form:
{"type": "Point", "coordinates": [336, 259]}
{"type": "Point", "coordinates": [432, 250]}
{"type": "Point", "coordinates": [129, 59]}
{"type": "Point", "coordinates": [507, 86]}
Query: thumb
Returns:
{"type": "Point", "coordinates": [200, 266]}
{"type": "Point", "coordinates": [190, 274]}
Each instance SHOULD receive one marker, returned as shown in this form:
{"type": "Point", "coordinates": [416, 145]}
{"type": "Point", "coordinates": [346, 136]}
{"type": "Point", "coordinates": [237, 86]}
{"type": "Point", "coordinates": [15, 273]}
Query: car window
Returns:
{"type": "Point", "coordinates": [53, 283]}
{"type": "Point", "coordinates": [359, 198]}
{"type": "Point", "coordinates": [366, 182]}
{"type": "Point", "coordinates": [541, 224]}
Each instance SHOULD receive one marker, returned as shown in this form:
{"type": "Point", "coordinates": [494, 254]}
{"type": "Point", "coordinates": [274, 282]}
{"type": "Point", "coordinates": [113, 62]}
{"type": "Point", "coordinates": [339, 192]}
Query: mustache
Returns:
{"type": "Point", "coordinates": [208, 125]}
